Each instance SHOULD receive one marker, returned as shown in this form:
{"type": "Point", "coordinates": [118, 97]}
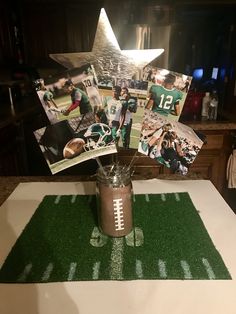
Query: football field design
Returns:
{"type": "Point", "coordinates": [62, 242]}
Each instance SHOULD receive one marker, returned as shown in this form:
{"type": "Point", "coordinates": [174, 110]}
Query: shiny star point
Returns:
{"type": "Point", "coordinates": [106, 55]}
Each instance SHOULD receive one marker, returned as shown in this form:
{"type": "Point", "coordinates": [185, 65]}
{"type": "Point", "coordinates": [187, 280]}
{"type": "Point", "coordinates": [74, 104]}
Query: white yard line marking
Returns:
{"type": "Point", "coordinates": [209, 270]}
{"type": "Point", "coordinates": [72, 271]}
{"type": "Point", "coordinates": [57, 199]}
{"type": "Point", "coordinates": [73, 198]}
{"type": "Point", "coordinates": [116, 266]}
{"type": "Point", "coordinates": [177, 197]}
{"type": "Point", "coordinates": [25, 272]}
{"type": "Point", "coordinates": [186, 269]}
{"type": "Point", "coordinates": [47, 273]}
{"type": "Point", "coordinates": [147, 198]}
{"type": "Point", "coordinates": [163, 197]}
{"type": "Point", "coordinates": [96, 269]}
{"type": "Point", "coordinates": [134, 199]}
{"type": "Point", "coordinates": [162, 268]}
{"type": "Point", "coordinates": [139, 269]}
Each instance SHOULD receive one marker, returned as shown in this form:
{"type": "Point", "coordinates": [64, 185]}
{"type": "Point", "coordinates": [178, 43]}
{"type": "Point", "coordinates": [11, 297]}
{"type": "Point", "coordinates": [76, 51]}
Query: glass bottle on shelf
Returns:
{"type": "Point", "coordinates": [205, 106]}
{"type": "Point", "coordinates": [212, 111]}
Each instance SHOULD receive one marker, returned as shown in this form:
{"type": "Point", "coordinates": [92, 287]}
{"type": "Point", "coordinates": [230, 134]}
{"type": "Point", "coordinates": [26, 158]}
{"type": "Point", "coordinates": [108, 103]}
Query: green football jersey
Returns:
{"type": "Point", "coordinates": [112, 108]}
{"type": "Point", "coordinates": [164, 99]}
{"type": "Point", "coordinates": [79, 94]}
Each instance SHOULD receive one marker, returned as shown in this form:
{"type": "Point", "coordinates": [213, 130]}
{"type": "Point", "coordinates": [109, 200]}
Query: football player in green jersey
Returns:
{"type": "Point", "coordinates": [112, 107]}
{"type": "Point", "coordinates": [129, 106]}
{"type": "Point", "coordinates": [164, 99]}
{"type": "Point", "coordinates": [78, 99]}
{"type": "Point", "coordinates": [47, 100]}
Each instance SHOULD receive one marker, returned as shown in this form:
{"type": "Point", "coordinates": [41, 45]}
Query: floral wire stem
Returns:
{"type": "Point", "coordinates": [133, 159]}
{"type": "Point", "coordinates": [100, 166]}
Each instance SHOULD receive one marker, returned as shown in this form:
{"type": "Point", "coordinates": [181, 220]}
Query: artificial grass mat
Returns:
{"type": "Point", "coordinates": [62, 242]}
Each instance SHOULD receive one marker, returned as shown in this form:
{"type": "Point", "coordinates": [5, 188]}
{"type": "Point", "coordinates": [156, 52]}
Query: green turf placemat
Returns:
{"type": "Point", "coordinates": [62, 243]}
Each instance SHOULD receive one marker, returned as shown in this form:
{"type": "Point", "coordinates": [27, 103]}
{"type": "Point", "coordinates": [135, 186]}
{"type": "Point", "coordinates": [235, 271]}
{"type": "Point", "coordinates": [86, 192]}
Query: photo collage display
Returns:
{"type": "Point", "coordinates": [92, 115]}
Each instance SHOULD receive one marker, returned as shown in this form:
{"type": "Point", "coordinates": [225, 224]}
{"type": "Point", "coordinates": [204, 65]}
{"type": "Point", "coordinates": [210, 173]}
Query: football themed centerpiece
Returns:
{"type": "Point", "coordinates": [110, 98]}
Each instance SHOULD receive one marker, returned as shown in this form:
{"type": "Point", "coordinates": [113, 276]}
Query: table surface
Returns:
{"type": "Point", "coordinates": [9, 183]}
{"type": "Point", "coordinates": [131, 297]}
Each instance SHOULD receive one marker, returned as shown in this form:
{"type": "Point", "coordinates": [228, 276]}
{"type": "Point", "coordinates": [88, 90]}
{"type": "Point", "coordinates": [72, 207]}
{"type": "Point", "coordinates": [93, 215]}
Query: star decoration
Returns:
{"type": "Point", "coordinates": [106, 55]}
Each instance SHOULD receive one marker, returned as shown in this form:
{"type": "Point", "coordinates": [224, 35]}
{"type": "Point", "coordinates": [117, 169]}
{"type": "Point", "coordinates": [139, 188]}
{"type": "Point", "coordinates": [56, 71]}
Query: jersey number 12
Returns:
{"type": "Point", "coordinates": [166, 101]}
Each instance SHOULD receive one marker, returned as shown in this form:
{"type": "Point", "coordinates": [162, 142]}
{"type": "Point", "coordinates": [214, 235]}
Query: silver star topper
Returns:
{"type": "Point", "coordinates": [106, 55]}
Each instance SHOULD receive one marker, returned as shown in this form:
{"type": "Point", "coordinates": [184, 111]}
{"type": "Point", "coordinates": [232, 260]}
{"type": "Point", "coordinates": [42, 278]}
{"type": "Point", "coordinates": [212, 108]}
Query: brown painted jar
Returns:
{"type": "Point", "coordinates": [114, 200]}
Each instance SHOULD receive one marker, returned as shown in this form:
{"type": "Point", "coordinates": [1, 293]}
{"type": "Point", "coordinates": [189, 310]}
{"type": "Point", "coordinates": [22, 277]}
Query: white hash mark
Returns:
{"type": "Point", "coordinates": [163, 197]}
{"type": "Point", "coordinates": [186, 269]}
{"type": "Point", "coordinates": [73, 198]}
{"type": "Point", "coordinates": [47, 273]}
{"type": "Point", "coordinates": [177, 197]}
{"type": "Point", "coordinates": [209, 270]}
{"type": "Point", "coordinates": [57, 199]}
{"type": "Point", "coordinates": [72, 271]}
{"type": "Point", "coordinates": [139, 269]}
{"type": "Point", "coordinates": [162, 268]}
{"type": "Point", "coordinates": [25, 272]}
{"type": "Point", "coordinates": [96, 269]}
{"type": "Point", "coordinates": [147, 198]}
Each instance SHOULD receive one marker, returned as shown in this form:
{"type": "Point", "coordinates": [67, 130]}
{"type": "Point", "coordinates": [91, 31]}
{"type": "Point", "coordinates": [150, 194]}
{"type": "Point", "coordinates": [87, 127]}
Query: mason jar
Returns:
{"type": "Point", "coordinates": [114, 200]}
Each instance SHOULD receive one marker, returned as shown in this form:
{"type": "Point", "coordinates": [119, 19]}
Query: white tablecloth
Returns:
{"type": "Point", "coordinates": [131, 297]}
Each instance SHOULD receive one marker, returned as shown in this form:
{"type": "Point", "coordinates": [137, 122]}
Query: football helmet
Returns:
{"type": "Point", "coordinates": [97, 135]}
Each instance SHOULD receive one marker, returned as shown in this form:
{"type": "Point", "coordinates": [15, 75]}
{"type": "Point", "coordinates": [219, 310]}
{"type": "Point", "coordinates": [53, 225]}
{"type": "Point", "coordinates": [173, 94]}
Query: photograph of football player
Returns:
{"type": "Point", "coordinates": [46, 98]}
{"type": "Point", "coordinates": [167, 91]}
{"type": "Point", "coordinates": [118, 109]}
{"type": "Point", "coordinates": [165, 99]}
{"type": "Point", "coordinates": [112, 106]}
{"type": "Point", "coordinates": [132, 94]}
{"type": "Point", "coordinates": [170, 143]}
{"type": "Point", "coordinates": [153, 136]}
{"type": "Point", "coordinates": [91, 86]}
{"type": "Point", "coordinates": [129, 106]}
{"type": "Point", "coordinates": [70, 93]}
{"type": "Point", "coordinates": [78, 99]}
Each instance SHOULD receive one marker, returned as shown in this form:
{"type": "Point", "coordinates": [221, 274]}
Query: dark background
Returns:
{"type": "Point", "coordinates": [202, 34]}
